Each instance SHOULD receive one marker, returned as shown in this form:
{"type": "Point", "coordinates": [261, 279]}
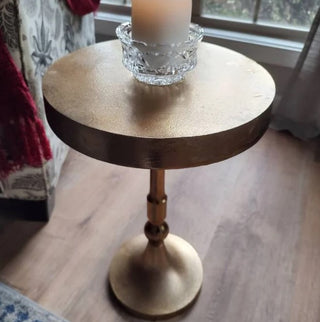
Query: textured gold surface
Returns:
{"type": "Point", "coordinates": [160, 275]}
{"type": "Point", "coordinates": [96, 106]}
{"type": "Point", "coordinates": [157, 199]}
{"type": "Point", "coordinates": [156, 281]}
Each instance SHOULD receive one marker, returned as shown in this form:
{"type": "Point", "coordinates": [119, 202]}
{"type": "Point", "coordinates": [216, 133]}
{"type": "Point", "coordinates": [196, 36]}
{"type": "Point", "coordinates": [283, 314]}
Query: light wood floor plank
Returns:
{"type": "Point", "coordinates": [254, 219]}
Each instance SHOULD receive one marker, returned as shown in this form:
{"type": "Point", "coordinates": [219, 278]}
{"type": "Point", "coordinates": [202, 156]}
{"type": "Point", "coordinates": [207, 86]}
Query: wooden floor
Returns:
{"type": "Point", "coordinates": [254, 219]}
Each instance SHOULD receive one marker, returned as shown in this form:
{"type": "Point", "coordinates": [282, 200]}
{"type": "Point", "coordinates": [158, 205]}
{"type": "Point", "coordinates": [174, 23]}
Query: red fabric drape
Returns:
{"type": "Point", "coordinates": [83, 7]}
{"type": "Point", "coordinates": [22, 136]}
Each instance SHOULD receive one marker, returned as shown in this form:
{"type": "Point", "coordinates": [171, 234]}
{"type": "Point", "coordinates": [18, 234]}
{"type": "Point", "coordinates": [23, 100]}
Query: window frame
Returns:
{"type": "Point", "coordinates": [225, 23]}
{"type": "Point", "coordinates": [267, 43]}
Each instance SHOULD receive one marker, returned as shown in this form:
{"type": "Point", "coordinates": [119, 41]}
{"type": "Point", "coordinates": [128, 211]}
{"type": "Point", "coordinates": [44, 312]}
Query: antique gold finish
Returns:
{"type": "Point", "coordinates": [96, 106]}
{"type": "Point", "coordinates": [221, 109]}
{"type": "Point", "coordinates": [156, 229]}
{"type": "Point", "coordinates": [156, 282]}
{"type": "Point", "coordinates": [159, 277]}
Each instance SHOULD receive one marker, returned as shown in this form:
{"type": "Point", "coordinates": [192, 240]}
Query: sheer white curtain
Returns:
{"type": "Point", "coordinates": [298, 111]}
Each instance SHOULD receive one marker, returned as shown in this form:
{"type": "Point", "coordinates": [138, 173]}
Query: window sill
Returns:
{"type": "Point", "coordinates": [263, 49]}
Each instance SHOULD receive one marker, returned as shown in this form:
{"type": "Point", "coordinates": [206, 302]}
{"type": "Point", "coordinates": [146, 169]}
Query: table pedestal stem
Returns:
{"type": "Point", "coordinates": [156, 229]}
{"type": "Point", "coordinates": [161, 275]}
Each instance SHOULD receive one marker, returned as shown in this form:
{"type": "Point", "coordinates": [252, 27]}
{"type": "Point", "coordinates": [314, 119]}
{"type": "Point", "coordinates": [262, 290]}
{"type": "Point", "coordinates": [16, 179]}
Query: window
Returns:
{"type": "Point", "coordinates": [270, 31]}
{"type": "Point", "coordinates": [297, 13]}
{"type": "Point", "coordinates": [119, 2]}
{"type": "Point", "coordinates": [283, 13]}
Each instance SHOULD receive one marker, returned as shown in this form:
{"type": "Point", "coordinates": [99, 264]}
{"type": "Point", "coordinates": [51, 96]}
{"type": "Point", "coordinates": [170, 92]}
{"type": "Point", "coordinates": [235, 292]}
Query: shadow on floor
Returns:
{"type": "Point", "coordinates": [14, 235]}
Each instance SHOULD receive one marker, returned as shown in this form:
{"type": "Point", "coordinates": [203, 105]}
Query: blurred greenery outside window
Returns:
{"type": "Point", "coordinates": [286, 13]}
{"type": "Point", "coordinates": [296, 13]}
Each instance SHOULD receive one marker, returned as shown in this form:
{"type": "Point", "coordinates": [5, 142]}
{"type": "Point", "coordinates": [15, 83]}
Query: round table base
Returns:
{"type": "Point", "coordinates": [156, 282]}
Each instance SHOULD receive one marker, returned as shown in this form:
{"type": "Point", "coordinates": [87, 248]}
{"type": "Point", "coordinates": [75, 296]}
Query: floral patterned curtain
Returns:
{"type": "Point", "coordinates": [38, 32]}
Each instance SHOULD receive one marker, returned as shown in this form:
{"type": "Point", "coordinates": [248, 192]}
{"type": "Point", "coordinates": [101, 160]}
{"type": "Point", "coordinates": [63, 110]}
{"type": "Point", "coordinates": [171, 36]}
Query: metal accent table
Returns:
{"type": "Point", "coordinates": [221, 109]}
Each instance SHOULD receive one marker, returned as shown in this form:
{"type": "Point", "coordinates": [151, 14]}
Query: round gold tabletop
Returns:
{"type": "Point", "coordinates": [96, 106]}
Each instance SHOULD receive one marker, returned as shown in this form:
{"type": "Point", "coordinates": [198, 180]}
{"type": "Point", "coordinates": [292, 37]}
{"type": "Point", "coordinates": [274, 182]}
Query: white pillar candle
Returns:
{"type": "Point", "coordinates": [161, 21]}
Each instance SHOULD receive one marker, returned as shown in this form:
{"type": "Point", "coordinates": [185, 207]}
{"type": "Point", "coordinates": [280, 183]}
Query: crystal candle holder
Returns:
{"type": "Point", "coordinates": [159, 64]}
